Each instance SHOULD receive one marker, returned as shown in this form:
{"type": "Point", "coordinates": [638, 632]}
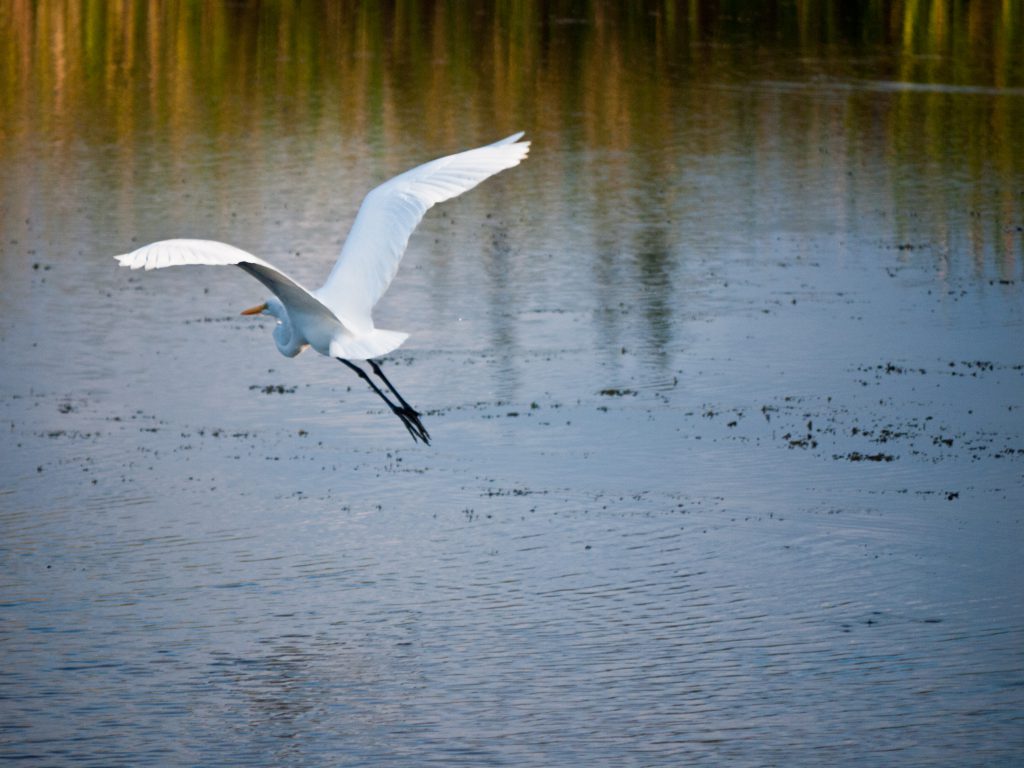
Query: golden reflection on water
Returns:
{"type": "Point", "coordinates": [938, 84]}
{"type": "Point", "coordinates": [611, 68]}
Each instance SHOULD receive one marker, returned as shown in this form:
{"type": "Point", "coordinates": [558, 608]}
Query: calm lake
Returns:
{"type": "Point", "coordinates": [725, 383]}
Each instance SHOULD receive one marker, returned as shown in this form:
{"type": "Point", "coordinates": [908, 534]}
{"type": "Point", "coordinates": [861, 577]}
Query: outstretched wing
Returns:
{"type": "Point", "coordinates": [174, 253]}
{"type": "Point", "coordinates": [389, 214]}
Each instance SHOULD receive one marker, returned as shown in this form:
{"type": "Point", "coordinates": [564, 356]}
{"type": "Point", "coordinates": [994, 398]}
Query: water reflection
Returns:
{"type": "Point", "coordinates": [642, 80]}
{"type": "Point", "coordinates": [678, 116]}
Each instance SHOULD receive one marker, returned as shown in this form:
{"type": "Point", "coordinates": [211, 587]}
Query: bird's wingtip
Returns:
{"type": "Point", "coordinates": [511, 139]}
{"type": "Point", "coordinates": [131, 261]}
{"type": "Point", "coordinates": [514, 149]}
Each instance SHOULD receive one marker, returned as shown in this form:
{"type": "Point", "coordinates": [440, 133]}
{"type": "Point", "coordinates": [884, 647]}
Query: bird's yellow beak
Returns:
{"type": "Point", "coordinates": [255, 310]}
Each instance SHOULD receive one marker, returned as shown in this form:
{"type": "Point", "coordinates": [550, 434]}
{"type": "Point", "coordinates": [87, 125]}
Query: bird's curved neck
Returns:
{"type": "Point", "coordinates": [289, 342]}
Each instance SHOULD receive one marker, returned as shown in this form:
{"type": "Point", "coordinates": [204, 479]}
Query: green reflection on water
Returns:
{"type": "Point", "coordinates": [939, 86]}
{"type": "Point", "coordinates": [611, 69]}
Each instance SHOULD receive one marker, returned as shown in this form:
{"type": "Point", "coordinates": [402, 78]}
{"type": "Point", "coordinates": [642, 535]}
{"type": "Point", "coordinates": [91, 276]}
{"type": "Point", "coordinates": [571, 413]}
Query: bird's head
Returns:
{"type": "Point", "coordinates": [271, 306]}
{"type": "Point", "coordinates": [289, 342]}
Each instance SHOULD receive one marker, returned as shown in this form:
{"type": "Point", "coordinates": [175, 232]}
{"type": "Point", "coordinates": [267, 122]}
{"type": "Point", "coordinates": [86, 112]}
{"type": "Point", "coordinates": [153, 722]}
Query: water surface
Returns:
{"type": "Point", "coordinates": [725, 383]}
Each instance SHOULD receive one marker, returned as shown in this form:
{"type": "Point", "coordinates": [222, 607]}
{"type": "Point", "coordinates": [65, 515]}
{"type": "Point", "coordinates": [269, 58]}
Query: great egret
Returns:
{"type": "Point", "coordinates": [336, 319]}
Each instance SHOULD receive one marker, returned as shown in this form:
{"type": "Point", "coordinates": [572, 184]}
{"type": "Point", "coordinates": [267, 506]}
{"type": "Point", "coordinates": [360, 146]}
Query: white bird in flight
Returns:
{"type": "Point", "coordinates": [336, 319]}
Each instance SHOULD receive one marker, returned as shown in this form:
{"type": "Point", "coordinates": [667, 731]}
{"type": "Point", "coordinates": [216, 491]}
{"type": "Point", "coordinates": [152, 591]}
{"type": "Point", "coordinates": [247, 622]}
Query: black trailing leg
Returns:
{"type": "Point", "coordinates": [411, 413]}
{"type": "Point", "coordinates": [409, 416]}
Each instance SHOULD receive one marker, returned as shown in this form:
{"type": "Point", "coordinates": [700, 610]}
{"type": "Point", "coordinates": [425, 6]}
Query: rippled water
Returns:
{"type": "Point", "coordinates": [725, 384]}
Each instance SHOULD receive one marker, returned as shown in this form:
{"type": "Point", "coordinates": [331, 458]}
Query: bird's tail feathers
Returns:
{"type": "Point", "coordinates": [376, 343]}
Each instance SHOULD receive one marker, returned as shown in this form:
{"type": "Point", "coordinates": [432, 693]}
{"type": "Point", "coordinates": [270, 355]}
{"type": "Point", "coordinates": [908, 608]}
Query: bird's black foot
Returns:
{"type": "Point", "coordinates": [408, 412]}
{"type": "Point", "coordinates": [412, 422]}
{"type": "Point", "coordinates": [408, 415]}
